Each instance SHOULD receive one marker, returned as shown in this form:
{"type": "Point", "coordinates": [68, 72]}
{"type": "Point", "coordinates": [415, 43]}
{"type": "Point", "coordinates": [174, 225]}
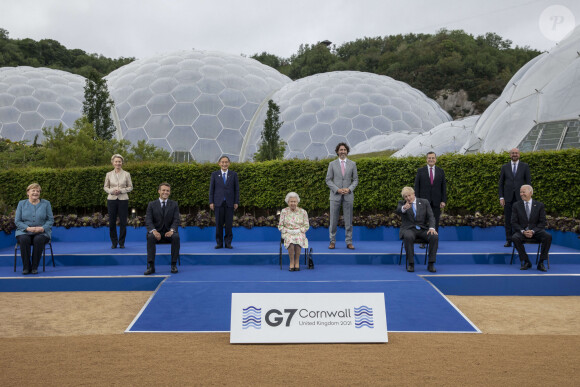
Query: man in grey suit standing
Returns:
{"type": "Point", "coordinates": [342, 179]}
{"type": "Point", "coordinates": [417, 222]}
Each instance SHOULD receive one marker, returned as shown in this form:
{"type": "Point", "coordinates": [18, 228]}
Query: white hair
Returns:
{"type": "Point", "coordinates": [529, 187]}
{"type": "Point", "coordinates": [292, 195]}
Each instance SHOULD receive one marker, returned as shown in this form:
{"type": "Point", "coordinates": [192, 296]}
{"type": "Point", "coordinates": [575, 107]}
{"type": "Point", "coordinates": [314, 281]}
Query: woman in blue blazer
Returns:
{"type": "Point", "coordinates": [33, 227]}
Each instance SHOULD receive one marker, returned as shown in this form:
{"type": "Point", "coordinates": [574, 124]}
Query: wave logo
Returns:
{"type": "Point", "coordinates": [252, 318]}
{"type": "Point", "coordinates": [363, 317]}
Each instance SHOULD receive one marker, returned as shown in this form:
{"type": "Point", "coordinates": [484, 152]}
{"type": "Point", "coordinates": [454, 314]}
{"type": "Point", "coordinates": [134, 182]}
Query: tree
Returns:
{"type": "Point", "coordinates": [272, 147]}
{"type": "Point", "coordinates": [97, 106]}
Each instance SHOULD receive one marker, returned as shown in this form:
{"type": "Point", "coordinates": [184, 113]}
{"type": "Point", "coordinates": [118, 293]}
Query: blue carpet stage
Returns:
{"type": "Point", "coordinates": [197, 299]}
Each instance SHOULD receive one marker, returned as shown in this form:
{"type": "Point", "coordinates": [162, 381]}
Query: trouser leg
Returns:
{"type": "Point", "coordinates": [517, 239]}
{"type": "Point", "coordinates": [347, 211]}
{"type": "Point", "coordinates": [38, 242]}
{"type": "Point", "coordinates": [334, 215]}
{"type": "Point", "coordinates": [228, 221]}
{"type": "Point", "coordinates": [175, 246]}
{"type": "Point", "coordinates": [112, 208]}
{"type": "Point", "coordinates": [220, 216]}
{"type": "Point", "coordinates": [123, 209]}
{"type": "Point", "coordinates": [437, 215]}
{"type": "Point", "coordinates": [408, 240]}
{"type": "Point", "coordinates": [546, 239]}
{"type": "Point", "coordinates": [25, 242]}
{"type": "Point", "coordinates": [151, 249]}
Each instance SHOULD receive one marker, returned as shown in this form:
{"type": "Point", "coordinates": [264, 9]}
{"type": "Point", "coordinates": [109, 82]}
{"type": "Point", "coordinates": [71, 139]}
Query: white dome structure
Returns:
{"type": "Point", "coordinates": [448, 137]}
{"type": "Point", "coordinates": [391, 141]}
{"type": "Point", "coordinates": [539, 108]}
{"type": "Point", "coordinates": [322, 110]}
{"type": "Point", "coordinates": [198, 103]}
{"type": "Point", "coordinates": [35, 98]}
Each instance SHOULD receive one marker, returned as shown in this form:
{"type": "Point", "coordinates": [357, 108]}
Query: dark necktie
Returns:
{"type": "Point", "coordinates": [224, 176]}
{"type": "Point", "coordinates": [431, 174]}
{"type": "Point", "coordinates": [163, 207]}
{"type": "Point", "coordinates": [514, 169]}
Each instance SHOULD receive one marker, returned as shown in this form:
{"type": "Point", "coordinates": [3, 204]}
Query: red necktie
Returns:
{"type": "Point", "coordinates": [342, 167]}
{"type": "Point", "coordinates": [431, 174]}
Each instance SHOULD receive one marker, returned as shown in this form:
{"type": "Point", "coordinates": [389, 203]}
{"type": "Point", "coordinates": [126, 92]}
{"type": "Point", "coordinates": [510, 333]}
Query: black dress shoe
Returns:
{"type": "Point", "coordinates": [218, 247]}
{"type": "Point", "coordinates": [508, 244]}
{"type": "Point", "coordinates": [34, 271]}
{"type": "Point", "coordinates": [526, 265]}
{"type": "Point", "coordinates": [541, 266]}
{"type": "Point", "coordinates": [150, 271]}
{"type": "Point", "coordinates": [121, 246]}
{"type": "Point", "coordinates": [296, 269]}
{"type": "Point", "coordinates": [422, 245]}
{"type": "Point", "coordinates": [25, 272]}
{"type": "Point", "coordinates": [229, 247]}
{"type": "Point", "coordinates": [411, 268]}
{"type": "Point", "coordinates": [431, 268]}
{"type": "Point", "coordinates": [291, 269]}
{"type": "Point", "coordinates": [174, 269]}
{"type": "Point", "coordinates": [113, 246]}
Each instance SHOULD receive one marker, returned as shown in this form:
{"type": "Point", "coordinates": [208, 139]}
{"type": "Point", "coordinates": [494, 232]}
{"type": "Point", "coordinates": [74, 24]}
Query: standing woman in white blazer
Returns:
{"type": "Point", "coordinates": [118, 184]}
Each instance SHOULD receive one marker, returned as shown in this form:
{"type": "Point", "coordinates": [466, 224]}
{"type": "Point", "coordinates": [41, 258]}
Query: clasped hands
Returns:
{"type": "Point", "coordinates": [343, 191]}
{"type": "Point", "coordinates": [36, 229]}
{"type": "Point", "coordinates": [157, 234]}
{"type": "Point", "coordinates": [528, 233]}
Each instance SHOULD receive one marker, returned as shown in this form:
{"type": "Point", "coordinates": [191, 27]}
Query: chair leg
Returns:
{"type": "Point", "coordinates": [51, 254]}
{"type": "Point", "coordinates": [426, 252]}
{"type": "Point", "coordinates": [44, 257]}
{"type": "Point", "coordinates": [513, 251]}
{"type": "Point", "coordinates": [15, 254]}
{"type": "Point", "coordinates": [401, 254]}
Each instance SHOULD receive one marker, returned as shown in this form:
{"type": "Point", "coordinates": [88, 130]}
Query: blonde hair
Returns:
{"type": "Point", "coordinates": [115, 156]}
{"type": "Point", "coordinates": [33, 185]}
{"type": "Point", "coordinates": [407, 190]}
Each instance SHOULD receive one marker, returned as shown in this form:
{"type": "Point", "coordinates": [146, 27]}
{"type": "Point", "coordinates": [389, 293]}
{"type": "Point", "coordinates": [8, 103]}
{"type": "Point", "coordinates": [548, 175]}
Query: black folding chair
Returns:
{"type": "Point", "coordinates": [49, 243]}
{"type": "Point", "coordinates": [417, 241]}
{"type": "Point", "coordinates": [530, 242]}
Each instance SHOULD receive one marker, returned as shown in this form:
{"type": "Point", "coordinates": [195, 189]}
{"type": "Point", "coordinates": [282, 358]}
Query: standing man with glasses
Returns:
{"type": "Point", "coordinates": [430, 184]}
{"type": "Point", "coordinates": [512, 176]}
{"type": "Point", "coordinates": [342, 179]}
{"type": "Point", "coordinates": [162, 220]}
{"type": "Point", "coordinates": [224, 198]}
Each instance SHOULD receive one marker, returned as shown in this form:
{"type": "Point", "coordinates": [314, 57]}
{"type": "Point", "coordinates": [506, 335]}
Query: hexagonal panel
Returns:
{"type": "Point", "coordinates": [209, 104]}
{"type": "Point", "coordinates": [183, 114]}
{"type": "Point", "coordinates": [160, 104]}
{"type": "Point", "coordinates": [231, 118]}
{"type": "Point", "coordinates": [182, 138]}
{"type": "Point", "coordinates": [158, 126]}
{"type": "Point", "coordinates": [230, 141]}
{"type": "Point", "coordinates": [207, 127]}
{"type": "Point", "coordinates": [320, 132]}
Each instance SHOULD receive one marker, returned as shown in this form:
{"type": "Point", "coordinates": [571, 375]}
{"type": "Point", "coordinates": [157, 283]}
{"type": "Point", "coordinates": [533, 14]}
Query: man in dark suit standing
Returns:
{"type": "Point", "coordinates": [512, 176]}
{"type": "Point", "coordinates": [417, 221]}
{"type": "Point", "coordinates": [529, 223]}
{"type": "Point", "coordinates": [430, 184]}
{"type": "Point", "coordinates": [162, 220]}
{"type": "Point", "coordinates": [224, 197]}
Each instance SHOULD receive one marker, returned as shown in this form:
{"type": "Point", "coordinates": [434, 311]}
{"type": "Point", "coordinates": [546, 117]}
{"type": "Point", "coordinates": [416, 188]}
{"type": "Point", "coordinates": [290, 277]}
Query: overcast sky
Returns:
{"type": "Point", "coordinates": [142, 28]}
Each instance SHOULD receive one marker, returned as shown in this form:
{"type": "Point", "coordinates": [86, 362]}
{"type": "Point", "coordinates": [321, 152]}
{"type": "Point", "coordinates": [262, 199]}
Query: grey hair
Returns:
{"type": "Point", "coordinates": [407, 190]}
{"type": "Point", "coordinates": [529, 187]}
{"type": "Point", "coordinates": [292, 195]}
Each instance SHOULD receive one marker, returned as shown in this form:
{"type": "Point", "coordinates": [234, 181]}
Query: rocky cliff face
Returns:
{"type": "Point", "coordinates": [458, 105]}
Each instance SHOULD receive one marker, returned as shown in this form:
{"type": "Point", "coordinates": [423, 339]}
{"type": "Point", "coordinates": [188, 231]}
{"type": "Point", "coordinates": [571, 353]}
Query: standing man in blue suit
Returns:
{"type": "Point", "coordinates": [430, 184]}
{"type": "Point", "coordinates": [512, 176]}
{"type": "Point", "coordinates": [342, 179]}
{"type": "Point", "coordinates": [224, 197]}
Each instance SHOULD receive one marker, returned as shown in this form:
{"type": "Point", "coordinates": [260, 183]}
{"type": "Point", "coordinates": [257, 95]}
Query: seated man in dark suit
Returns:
{"type": "Point", "coordinates": [528, 223]}
{"type": "Point", "coordinates": [162, 220]}
{"type": "Point", "coordinates": [417, 221]}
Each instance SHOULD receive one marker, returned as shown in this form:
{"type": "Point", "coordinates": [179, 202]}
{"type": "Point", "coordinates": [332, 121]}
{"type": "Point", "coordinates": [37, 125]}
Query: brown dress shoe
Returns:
{"type": "Point", "coordinates": [331, 245]}
{"type": "Point", "coordinates": [350, 246]}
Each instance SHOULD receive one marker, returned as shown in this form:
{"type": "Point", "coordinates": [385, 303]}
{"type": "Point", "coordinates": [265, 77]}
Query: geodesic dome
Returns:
{"type": "Point", "coordinates": [34, 98]}
{"type": "Point", "coordinates": [539, 108]}
{"type": "Point", "coordinates": [194, 102]}
{"type": "Point", "coordinates": [383, 142]}
{"type": "Point", "coordinates": [322, 110]}
{"type": "Point", "coordinates": [448, 137]}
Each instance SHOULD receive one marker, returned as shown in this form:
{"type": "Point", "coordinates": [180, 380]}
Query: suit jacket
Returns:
{"type": "Point", "coordinates": [154, 219]}
{"type": "Point", "coordinates": [509, 185]}
{"type": "Point", "coordinates": [121, 181]}
{"type": "Point", "coordinates": [424, 218]}
{"type": "Point", "coordinates": [537, 221]}
{"type": "Point", "coordinates": [335, 180]}
{"type": "Point", "coordinates": [218, 190]}
{"type": "Point", "coordinates": [435, 193]}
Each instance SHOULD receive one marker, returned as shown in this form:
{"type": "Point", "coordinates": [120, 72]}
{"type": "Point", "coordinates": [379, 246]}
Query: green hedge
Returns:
{"type": "Point", "coordinates": [471, 183]}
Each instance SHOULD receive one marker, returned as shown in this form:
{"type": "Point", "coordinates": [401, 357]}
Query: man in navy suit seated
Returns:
{"type": "Point", "coordinates": [529, 223]}
{"type": "Point", "coordinates": [224, 197]}
{"type": "Point", "coordinates": [417, 222]}
{"type": "Point", "coordinates": [162, 220]}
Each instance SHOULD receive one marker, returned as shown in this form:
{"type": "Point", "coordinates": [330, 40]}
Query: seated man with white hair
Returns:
{"type": "Point", "coordinates": [293, 226]}
{"type": "Point", "coordinates": [529, 223]}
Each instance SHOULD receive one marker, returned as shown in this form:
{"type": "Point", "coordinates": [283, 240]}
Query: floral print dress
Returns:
{"type": "Point", "coordinates": [293, 226]}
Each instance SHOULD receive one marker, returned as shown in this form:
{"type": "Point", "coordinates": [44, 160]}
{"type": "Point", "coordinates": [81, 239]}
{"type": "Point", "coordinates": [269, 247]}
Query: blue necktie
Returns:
{"type": "Point", "coordinates": [224, 176]}
{"type": "Point", "coordinates": [415, 215]}
{"type": "Point", "coordinates": [514, 170]}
